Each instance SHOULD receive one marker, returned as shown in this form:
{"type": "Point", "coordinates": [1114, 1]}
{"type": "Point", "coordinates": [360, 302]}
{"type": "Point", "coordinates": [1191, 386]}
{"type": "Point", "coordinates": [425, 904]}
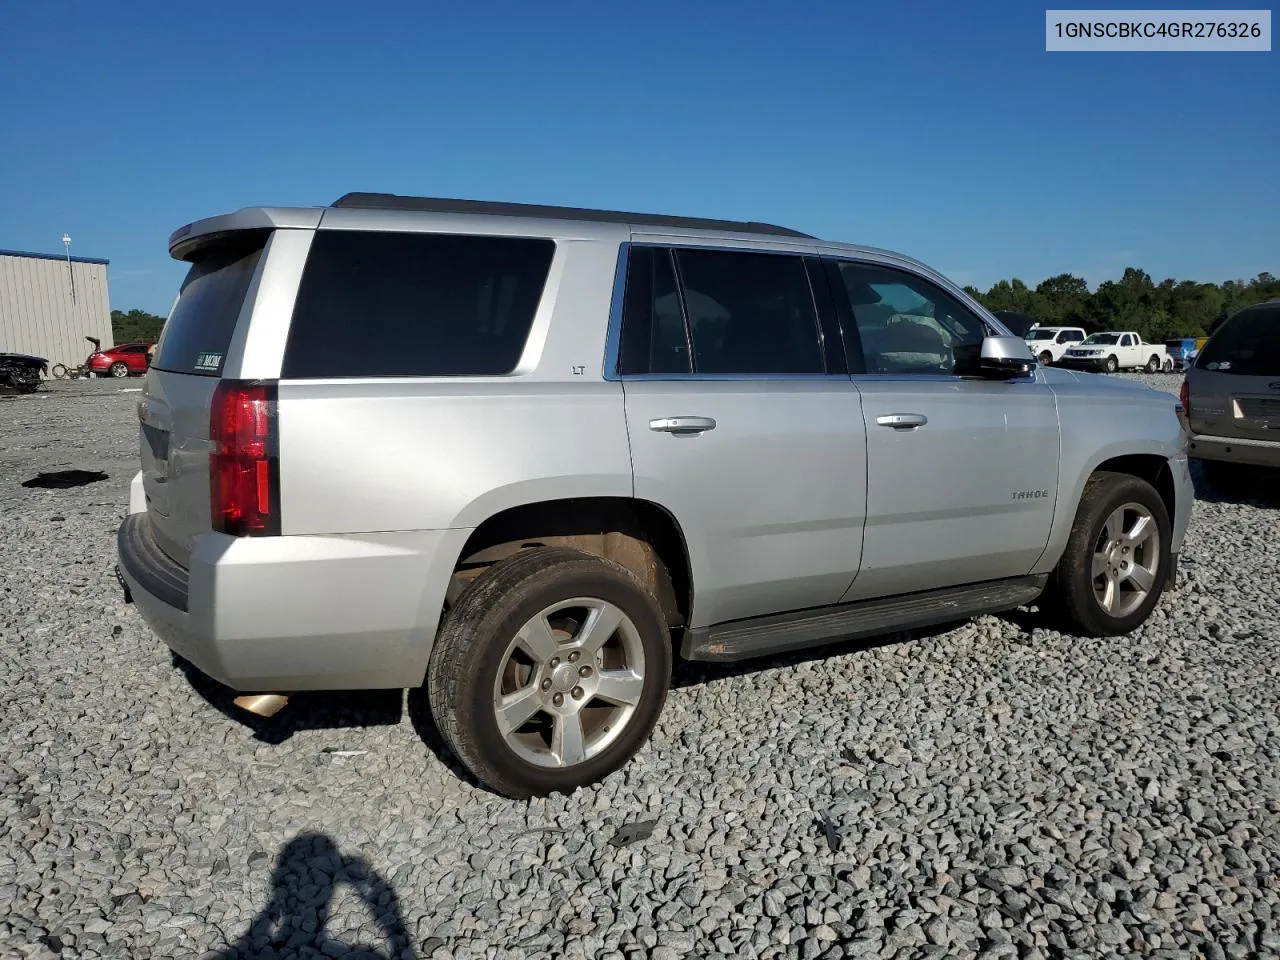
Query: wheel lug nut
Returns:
{"type": "Point", "coordinates": [546, 684]}
{"type": "Point", "coordinates": [573, 657]}
{"type": "Point", "coordinates": [555, 662]}
{"type": "Point", "coordinates": [584, 671]}
{"type": "Point", "coordinates": [558, 699]}
{"type": "Point", "coordinates": [577, 693]}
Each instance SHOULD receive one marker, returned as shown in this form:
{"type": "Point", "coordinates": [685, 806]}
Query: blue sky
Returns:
{"type": "Point", "coordinates": [943, 130]}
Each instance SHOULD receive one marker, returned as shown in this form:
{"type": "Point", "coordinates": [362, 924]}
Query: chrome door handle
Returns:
{"type": "Point", "coordinates": [902, 421]}
{"type": "Point", "coordinates": [682, 424]}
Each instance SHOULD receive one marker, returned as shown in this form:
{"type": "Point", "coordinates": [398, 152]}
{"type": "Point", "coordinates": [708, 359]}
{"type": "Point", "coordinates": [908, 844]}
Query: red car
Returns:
{"type": "Point", "coordinates": [120, 361]}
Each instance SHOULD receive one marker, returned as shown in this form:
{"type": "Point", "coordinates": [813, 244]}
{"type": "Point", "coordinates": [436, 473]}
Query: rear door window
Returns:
{"type": "Point", "coordinates": [198, 332]}
{"type": "Point", "coordinates": [374, 304]}
{"type": "Point", "coordinates": [1247, 344]}
{"type": "Point", "coordinates": [727, 313]}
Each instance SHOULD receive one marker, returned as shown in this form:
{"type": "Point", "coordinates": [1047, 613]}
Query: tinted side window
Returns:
{"type": "Point", "coordinates": [907, 324]}
{"type": "Point", "coordinates": [414, 304]}
{"type": "Point", "coordinates": [198, 332]}
{"type": "Point", "coordinates": [749, 313]}
{"type": "Point", "coordinates": [654, 339]}
{"type": "Point", "coordinates": [1248, 343]}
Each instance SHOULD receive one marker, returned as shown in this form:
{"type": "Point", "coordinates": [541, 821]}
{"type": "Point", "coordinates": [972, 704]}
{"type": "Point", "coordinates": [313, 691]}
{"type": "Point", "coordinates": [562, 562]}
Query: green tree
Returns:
{"type": "Point", "coordinates": [135, 325]}
{"type": "Point", "coordinates": [1172, 308]}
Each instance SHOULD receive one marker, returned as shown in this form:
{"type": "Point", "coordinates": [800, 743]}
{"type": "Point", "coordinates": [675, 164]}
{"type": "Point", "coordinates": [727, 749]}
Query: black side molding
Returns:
{"type": "Point", "coordinates": [154, 570]}
{"type": "Point", "coordinates": [782, 633]}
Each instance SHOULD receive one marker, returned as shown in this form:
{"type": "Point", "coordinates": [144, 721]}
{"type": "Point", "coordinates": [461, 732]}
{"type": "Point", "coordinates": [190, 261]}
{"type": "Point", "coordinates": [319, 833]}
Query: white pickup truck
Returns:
{"type": "Point", "coordinates": [1117, 350]}
{"type": "Point", "coordinates": [1050, 343]}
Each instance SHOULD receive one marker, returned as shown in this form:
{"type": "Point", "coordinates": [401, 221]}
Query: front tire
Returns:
{"type": "Point", "coordinates": [550, 672]}
{"type": "Point", "coordinates": [118, 369]}
{"type": "Point", "coordinates": [1117, 562]}
{"type": "Point", "coordinates": [1112, 364]}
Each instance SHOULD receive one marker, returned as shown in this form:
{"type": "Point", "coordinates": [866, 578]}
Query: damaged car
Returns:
{"type": "Point", "coordinates": [22, 372]}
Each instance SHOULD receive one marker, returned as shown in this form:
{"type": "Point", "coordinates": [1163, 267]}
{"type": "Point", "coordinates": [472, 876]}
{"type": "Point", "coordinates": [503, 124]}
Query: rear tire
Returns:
{"type": "Point", "coordinates": [1168, 365]}
{"type": "Point", "coordinates": [118, 369]}
{"type": "Point", "coordinates": [1153, 364]}
{"type": "Point", "coordinates": [1112, 364]}
{"type": "Point", "coordinates": [1131, 570]}
{"type": "Point", "coordinates": [520, 638]}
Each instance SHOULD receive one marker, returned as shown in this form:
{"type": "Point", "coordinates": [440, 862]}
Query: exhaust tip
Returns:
{"type": "Point", "coordinates": [262, 704]}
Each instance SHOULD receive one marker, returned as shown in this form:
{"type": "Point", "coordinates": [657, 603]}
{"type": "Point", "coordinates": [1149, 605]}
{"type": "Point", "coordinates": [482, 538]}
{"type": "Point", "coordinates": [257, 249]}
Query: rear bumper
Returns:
{"type": "Point", "coordinates": [1257, 453]}
{"type": "Point", "coordinates": [281, 614]}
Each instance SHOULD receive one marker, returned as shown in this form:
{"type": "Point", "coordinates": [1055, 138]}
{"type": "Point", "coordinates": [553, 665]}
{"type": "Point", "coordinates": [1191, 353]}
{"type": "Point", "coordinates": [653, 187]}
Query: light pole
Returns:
{"type": "Point", "coordinates": [66, 242]}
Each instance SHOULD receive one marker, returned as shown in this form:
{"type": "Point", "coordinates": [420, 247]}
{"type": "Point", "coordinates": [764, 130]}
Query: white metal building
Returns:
{"type": "Point", "coordinates": [48, 306]}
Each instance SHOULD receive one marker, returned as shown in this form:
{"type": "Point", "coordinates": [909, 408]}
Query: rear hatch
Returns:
{"type": "Point", "coordinates": [188, 365]}
{"type": "Point", "coordinates": [1235, 386]}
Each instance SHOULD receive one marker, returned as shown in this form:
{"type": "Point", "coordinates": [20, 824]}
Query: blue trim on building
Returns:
{"type": "Point", "coordinates": [51, 256]}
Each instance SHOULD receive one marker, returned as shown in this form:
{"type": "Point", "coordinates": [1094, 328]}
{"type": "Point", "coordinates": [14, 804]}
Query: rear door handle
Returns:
{"type": "Point", "coordinates": [902, 421]}
{"type": "Point", "coordinates": [682, 424]}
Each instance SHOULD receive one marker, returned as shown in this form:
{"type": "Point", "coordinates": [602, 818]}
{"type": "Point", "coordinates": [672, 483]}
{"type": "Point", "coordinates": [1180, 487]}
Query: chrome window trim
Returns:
{"type": "Point", "coordinates": [613, 338]}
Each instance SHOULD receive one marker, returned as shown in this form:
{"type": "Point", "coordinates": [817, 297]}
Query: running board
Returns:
{"type": "Point", "coordinates": [782, 633]}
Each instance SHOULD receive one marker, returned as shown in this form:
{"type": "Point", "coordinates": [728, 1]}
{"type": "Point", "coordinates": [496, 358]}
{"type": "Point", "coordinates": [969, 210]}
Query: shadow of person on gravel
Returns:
{"type": "Point", "coordinates": [308, 869]}
{"type": "Point", "coordinates": [328, 710]}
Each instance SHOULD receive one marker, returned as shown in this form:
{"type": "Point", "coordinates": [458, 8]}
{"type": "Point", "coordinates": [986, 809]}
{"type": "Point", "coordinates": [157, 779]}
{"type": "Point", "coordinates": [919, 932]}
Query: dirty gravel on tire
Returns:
{"type": "Point", "coordinates": [997, 789]}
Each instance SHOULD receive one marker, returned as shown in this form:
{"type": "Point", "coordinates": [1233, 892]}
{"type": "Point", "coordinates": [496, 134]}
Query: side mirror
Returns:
{"type": "Point", "coordinates": [1004, 358]}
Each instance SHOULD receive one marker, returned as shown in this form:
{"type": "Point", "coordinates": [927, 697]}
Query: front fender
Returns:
{"type": "Point", "coordinates": [1099, 424]}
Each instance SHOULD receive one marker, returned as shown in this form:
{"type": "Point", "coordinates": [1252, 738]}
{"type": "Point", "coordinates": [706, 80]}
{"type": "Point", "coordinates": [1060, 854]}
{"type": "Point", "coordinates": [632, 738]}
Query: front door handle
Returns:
{"type": "Point", "coordinates": [682, 424]}
{"type": "Point", "coordinates": [902, 421]}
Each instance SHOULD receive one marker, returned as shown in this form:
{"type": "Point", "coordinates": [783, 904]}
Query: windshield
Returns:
{"type": "Point", "coordinates": [1101, 338]}
{"type": "Point", "coordinates": [1039, 334]}
{"type": "Point", "coordinates": [1247, 344]}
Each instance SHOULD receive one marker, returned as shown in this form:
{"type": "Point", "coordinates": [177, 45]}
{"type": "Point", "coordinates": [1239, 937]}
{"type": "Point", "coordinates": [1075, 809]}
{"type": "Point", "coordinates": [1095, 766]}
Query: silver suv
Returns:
{"type": "Point", "coordinates": [1231, 395]}
{"type": "Point", "coordinates": [526, 455]}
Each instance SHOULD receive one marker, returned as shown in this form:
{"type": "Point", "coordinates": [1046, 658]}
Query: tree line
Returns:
{"type": "Point", "coordinates": [1157, 311]}
{"type": "Point", "coordinates": [135, 325]}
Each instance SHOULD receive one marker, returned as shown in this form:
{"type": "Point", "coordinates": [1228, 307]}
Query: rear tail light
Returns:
{"type": "Point", "coordinates": [1184, 399]}
{"type": "Point", "coordinates": [244, 468]}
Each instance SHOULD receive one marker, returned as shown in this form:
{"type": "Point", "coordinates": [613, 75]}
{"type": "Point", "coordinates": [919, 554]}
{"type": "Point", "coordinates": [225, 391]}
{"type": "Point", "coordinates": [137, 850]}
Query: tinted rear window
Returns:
{"type": "Point", "coordinates": [198, 332]}
{"type": "Point", "coordinates": [1248, 344]}
{"type": "Point", "coordinates": [414, 305]}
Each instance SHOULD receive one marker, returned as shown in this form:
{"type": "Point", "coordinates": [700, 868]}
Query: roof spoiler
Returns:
{"type": "Point", "coordinates": [186, 242]}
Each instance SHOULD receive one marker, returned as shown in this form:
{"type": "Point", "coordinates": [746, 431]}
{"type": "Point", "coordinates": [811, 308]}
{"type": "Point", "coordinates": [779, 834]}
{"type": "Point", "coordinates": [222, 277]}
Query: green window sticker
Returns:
{"type": "Point", "coordinates": [208, 361]}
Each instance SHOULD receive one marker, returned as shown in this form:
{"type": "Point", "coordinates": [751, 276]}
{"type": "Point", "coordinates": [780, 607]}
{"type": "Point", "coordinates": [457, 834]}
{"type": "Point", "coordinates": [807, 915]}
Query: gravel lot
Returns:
{"type": "Point", "coordinates": [999, 789]}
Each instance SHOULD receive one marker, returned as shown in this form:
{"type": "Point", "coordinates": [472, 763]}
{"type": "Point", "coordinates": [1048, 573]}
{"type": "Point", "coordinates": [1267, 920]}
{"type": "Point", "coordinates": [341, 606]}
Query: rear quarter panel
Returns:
{"type": "Point", "coordinates": [383, 456]}
{"type": "Point", "coordinates": [1103, 418]}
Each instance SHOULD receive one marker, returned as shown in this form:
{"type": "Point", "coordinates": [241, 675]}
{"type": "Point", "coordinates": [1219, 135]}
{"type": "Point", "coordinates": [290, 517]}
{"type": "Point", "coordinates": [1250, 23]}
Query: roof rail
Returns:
{"type": "Point", "coordinates": [390, 201]}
